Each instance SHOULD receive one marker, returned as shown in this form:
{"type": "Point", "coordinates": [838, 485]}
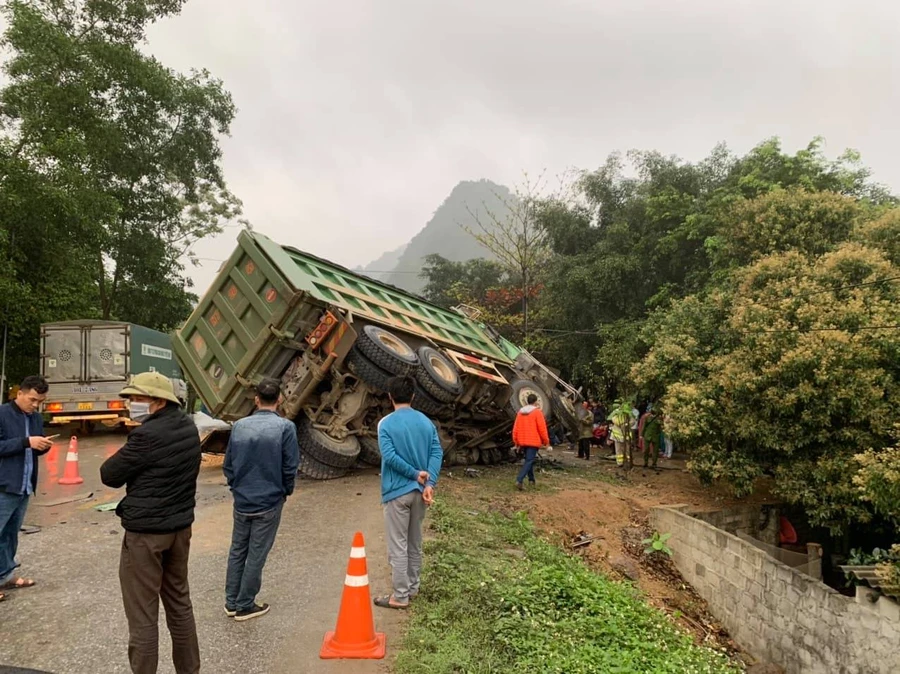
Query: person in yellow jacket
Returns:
{"type": "Point", "coordinates": [620, 430]}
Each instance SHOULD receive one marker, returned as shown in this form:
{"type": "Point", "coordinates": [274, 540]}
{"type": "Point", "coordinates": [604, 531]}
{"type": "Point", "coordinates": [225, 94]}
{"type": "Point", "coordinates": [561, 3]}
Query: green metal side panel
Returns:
{"type": "Point", "coordinates": [151, 351]}
{"type": "Point", "coordinates": [511, 350]}
{"type": "Point", "coordinates": [227, 341]}
{"type": "Point", "coordinates": [379, 302]}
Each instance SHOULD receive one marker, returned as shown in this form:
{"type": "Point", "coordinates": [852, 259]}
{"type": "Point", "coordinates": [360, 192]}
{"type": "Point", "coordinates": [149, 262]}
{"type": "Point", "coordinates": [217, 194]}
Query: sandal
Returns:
{"type": "Point", "coordinates": [17, 584]}
{"type": "Point", "coordinates": [385, 602]}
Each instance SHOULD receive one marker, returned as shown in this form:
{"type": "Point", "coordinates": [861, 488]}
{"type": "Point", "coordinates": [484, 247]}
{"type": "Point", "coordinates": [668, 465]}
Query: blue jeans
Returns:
{"type": "Point", "coordinates": [12, 514]}
{"type": "Point", "coordinates": [251, 541]}
{"type": "Point", "coordinates": [528, 466]}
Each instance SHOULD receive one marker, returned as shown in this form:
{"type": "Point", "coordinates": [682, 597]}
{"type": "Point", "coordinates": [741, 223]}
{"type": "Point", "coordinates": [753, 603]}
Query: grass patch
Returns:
{"type": "Point", "coordinates": [496, 598]}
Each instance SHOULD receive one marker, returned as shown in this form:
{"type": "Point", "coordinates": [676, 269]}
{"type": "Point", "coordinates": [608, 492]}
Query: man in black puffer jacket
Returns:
{"type": "Point", "coordinates": [159, 465]}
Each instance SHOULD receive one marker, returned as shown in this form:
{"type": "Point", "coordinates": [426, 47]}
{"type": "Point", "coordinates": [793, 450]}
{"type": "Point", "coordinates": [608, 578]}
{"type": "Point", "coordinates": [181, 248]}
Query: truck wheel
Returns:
{"type": "Point", "coordinates": [370, 453]}
{"type": "Point", "coordinates": [325, 449]}
{"type": "Point", "coordinates": [316, 470]}
{"type": "Point", "coordinates": [386, 350]}
{"type": "Point", "coordinates": [367, 371]}
{"type": "Point", "coordinates": [428, 405]}
{"type": "Point", "coordinates": [564, 411]}
{"type": "Point", "coordinates": [521, 388]}
{"type": "Point", "coordinates": [438, 376]}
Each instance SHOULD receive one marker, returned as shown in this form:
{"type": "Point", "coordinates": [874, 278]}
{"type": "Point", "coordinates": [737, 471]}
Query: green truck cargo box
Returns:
{"type": "Point", "coordinates": [265, 294]}
{"type": "Point", "coordinates": [333, 339]}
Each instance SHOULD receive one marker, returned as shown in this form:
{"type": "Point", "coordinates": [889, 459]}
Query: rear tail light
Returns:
{"type": "Point", "coordinates": [54, 407]}
{"type": "Point", "coordinates": [116, 405]}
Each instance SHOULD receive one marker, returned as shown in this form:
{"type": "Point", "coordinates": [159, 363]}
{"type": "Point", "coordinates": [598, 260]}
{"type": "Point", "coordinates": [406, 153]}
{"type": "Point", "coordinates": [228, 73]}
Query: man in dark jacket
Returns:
{"type": "Point", "coordinates": [261, 466]}
{"type": "Point", "coordinates": [159, 465]}
{"type": "Point", "coordinates": [21, 442]}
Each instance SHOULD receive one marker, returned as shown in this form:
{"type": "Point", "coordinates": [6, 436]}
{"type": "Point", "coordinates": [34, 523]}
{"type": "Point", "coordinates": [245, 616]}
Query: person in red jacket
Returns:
{"type": "Point", "coordinates": [530, 434]}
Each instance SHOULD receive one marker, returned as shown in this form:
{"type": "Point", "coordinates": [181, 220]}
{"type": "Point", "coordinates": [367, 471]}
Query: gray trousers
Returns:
{"type": "Point", "coordinates": [403, 519]}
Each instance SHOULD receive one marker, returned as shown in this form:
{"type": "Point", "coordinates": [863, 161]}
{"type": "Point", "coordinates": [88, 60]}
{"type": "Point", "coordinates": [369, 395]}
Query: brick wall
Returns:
{"type": "Point", "coordinates": [776, 613]}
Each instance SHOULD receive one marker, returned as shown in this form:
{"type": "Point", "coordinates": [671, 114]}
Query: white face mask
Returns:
{"type": "Point", "coordinates": [140, 411]}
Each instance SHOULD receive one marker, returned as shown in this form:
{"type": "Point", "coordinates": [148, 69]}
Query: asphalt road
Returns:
{"type": "Point", "coordinates": [72, 621]}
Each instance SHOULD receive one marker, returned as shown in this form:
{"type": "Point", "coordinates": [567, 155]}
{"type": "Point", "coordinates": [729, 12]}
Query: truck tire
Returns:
{"type": "Point", "coordinates": [367, 371]}
{"type": "Point", "coordinates": [370, 453]}
{"type": "Point", "coordinates": [316, 470]}
{"type": "Point", "coordinates": [520, 390]}
{"type": "Point", "coordinates": [386, 350]}
{"type": "Point", "coordinates": [428, 405]}
{"type": "Point", "coordinates": [438, 376]}
{"type": "Point", "coordinates": [564, 411]}
{"type": "Point", "coordinates": [325, 449]}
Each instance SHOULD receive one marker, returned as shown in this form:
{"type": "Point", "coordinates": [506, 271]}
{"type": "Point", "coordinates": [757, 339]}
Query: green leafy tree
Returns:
{"type": "Point", "coordinates": [646, 229]}
{"type": "Point", "coordinates": [790, 372]}
{"type": "Point", "coordinates": [84, 99]}
{"type": "Point", "coordinates": [448, 283]}
{"type": "Point", "coordinates": [109, 165]}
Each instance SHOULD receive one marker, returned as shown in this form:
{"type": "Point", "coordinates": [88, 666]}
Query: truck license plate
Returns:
{"type": "Point", "coordinates": [85, 406]}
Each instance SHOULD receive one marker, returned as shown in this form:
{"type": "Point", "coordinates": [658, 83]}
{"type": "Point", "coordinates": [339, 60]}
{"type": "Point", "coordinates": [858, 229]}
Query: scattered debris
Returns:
{"type": "Point", "coordinates": [106, 507]}
{"type": "Point", "coordinates": [29, 529]}
{"type": "Point", "coordinates": [765, 668]}
{"type": "Point", "coordinates": [582, 539]}
{"type": "Point", "coordinates": [473, 513]}
{"type": "Point", "coordinates": [68, 499]}
{"type": "Point", "coordinates": [625, 567]}
{"type": "Point", "coordinates": [472, 472]}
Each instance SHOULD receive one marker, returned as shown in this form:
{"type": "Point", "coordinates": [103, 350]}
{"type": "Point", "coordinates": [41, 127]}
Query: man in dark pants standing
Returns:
{"type": "Point", "coordinates": [21, 442]}
{"type": "Point", "coordinates": [159, 465]}
{"type": "Point", "coordinates": [586, 432]}
{"type": "Point", "coordinates": [261, 466]}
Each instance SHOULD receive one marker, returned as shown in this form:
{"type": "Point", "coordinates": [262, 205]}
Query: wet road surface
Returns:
{"type": "Point", "coordinates": [72, 622]}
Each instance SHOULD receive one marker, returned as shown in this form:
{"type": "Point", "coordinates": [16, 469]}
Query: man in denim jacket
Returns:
{"type": "Point", "coordinates": [260, 465]}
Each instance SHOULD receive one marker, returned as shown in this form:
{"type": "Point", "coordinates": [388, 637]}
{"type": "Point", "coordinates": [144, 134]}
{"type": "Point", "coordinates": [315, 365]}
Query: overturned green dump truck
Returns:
{"type": "Point", "coordinates": [334, 338]}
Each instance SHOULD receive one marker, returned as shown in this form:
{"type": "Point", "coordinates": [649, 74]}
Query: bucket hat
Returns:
{"type": "Point", "coordinates": [152, 385]}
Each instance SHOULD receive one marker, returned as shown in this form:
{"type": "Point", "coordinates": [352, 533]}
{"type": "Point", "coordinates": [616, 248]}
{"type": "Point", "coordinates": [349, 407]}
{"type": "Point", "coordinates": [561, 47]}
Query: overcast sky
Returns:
{"type": "Point", "coordinates": [357, 118]}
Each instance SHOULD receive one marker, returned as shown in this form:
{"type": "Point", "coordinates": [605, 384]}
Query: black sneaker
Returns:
{"type": "Point", "coordinates": [254, 612]}
{"type": "Point", "coordinates": [230, 612]}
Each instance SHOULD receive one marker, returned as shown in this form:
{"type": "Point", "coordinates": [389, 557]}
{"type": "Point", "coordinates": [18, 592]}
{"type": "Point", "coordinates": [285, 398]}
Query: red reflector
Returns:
{"type": "Point", "coordinates": [54, 407]}
{"type": "Point", "coordinates": [473, 359]}
{"type": "Point", "coordinates": [116, 405]}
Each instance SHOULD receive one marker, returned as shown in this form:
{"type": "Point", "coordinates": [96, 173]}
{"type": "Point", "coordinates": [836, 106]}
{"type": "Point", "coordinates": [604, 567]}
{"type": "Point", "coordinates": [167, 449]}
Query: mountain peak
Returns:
{"type": "Point", "coordinates": [446, 233]}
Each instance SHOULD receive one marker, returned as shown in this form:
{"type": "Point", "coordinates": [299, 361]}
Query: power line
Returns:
{"type": "Point", "coordinates": [804, 330]}
{"type": "Point", "coordinates": [855, 285]}
{"type": "Point", "coordinates": [567, 333]}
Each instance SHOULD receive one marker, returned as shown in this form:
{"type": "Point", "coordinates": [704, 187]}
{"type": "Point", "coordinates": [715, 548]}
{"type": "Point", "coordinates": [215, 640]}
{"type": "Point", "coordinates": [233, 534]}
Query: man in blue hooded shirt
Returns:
{"type": "Point", "coordinates": [411, 457]}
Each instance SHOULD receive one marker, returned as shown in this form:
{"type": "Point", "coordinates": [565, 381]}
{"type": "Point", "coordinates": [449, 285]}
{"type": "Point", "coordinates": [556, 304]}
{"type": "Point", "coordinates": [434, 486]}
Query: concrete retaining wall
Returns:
{"type": "Point", "coordinates": [777, 613]}
{"type": "Point", "coordinates": [750, 519]}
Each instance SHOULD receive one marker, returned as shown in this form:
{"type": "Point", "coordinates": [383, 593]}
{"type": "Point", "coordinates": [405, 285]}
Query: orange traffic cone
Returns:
{"type": "Point", "coordinates": [70, 474]}
{"type": "Point", "coordinates": [355, 636]}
